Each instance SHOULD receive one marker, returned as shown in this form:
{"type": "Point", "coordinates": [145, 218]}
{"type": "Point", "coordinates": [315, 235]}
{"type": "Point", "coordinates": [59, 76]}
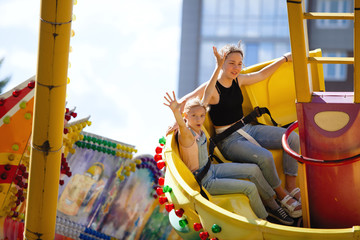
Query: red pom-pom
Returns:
{"type": "Point", "coordinates": [31, 84]}
{"type": "Point", "coordinates": [16, 93]}
{"type": "Point", "coordinates": [159, 191]}
{"type": "Point", "coordinates": [161, 181]}
{"type": "Point", "coordinates": [169, 207]}
{"type": "Point", "coordinates": [158, 150]}
{"type": "Point", "coordinates": [162, 199]}
{"type": "Point", "coordinates": [160, 164]}
{"type": "Point", "coordinates": [157, 157]}
{"type": "Point", "coordinates": [197, 226]}
{"type": "Point", "coordinates": [204, 235]}
{"type": "Point", "coordinates": [179, 212]}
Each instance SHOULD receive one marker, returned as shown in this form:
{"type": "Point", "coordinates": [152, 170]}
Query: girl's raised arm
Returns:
{"type": "Point", "coordinates": [185, 136]}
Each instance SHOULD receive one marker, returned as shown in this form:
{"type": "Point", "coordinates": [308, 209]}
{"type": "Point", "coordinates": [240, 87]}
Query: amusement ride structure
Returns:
{"type": "Point", "coordinates": [34, 151]}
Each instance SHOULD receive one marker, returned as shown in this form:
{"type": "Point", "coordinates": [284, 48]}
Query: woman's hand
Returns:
{"type": "Point", "coordinates": [220, 59]}
{"type": "Point", "coordinates": [288, 57]}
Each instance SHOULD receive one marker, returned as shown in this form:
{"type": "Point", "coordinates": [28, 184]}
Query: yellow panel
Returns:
{"type": "Point", "coordinates": [277, 92]}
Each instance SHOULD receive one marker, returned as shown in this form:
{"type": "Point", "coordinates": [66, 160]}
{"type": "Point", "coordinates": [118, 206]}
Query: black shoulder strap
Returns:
{"type": "Point", "coordinates": [257, 112]}
{"type": "Point", "coordinates": [237, 81]}
{"type": "Point", "coordinates": [217, 87]}
{"type": "Point", "coordinates": [267, 111]}
{"type": "Point", "coordinates": [200, 176]}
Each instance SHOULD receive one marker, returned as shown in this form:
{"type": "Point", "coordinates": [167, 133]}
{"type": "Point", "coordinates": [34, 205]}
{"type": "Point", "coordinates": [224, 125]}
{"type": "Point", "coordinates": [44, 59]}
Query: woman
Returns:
{"type": "Point", "coordinates": [223, 93]}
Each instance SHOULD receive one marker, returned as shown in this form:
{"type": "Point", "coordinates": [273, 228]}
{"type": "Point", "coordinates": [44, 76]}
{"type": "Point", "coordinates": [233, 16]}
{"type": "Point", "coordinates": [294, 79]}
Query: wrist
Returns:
{"type": "Point", "coordinates": [286, 59]}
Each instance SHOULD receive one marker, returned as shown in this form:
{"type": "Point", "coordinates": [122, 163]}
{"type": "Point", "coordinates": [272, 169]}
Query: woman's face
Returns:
{"type": "Point", "coordinates": [195, 118]}
{"type": "Point", "coordinates": [233, 65]}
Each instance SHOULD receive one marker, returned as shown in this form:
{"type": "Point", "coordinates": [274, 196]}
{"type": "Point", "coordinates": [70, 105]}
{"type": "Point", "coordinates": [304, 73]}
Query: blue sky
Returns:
{"type": "Point", "coordinates": [125, 56]}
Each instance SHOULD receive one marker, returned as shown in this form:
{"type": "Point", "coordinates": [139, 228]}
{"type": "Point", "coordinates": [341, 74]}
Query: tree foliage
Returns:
{"type": "Point", "coordinates": [4, 81]}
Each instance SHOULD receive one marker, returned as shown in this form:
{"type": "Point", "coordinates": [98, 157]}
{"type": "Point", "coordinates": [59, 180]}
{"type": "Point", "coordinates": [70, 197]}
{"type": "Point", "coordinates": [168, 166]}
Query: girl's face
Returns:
{"type": "Point", "coordinates": [195, 118]}
{"type": "Point", "coordinates": [232, 65]}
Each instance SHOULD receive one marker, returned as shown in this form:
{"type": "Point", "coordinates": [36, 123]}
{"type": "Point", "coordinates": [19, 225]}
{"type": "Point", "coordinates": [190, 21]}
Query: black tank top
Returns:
{"type": "Point", "coordinates": [229, 109]}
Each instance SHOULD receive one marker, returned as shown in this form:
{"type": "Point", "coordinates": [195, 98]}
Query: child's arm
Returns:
{"type": "Point", "coordinates": [198, 92]}
{"type": "Point", "coordinates": [210, 87]}
{"type": "Point", "coordinates": [186, 138]}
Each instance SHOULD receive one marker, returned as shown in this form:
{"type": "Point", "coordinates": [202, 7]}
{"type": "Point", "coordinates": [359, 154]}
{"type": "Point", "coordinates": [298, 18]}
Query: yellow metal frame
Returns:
{"type": "Point", "coordinates": [300, 50]}
{"type": "Point", "coordinates": [300, 53]}
{"type": "Point", "coordinates": [48, 124]}
{"type": "Point", "coordinates": [356, 51]}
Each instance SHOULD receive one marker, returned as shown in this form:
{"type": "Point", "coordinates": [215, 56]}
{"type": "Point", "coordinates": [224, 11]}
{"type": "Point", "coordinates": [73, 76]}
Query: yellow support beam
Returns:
{"type": "Point", "coordinates": [300, 50]}
{"type": "Point", "coordinates": [357, 51]}
{"type": "Point", "coordinates": [322, 15]}
{"type": "Point", "coordinates": [331, 60]}
{"type": "Point", "coordinates": [48, 124]}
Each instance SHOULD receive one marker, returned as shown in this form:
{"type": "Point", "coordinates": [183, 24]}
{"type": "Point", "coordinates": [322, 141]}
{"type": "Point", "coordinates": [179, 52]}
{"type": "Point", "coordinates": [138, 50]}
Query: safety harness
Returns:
{"type": "Point", "coordinates": [257, 112]}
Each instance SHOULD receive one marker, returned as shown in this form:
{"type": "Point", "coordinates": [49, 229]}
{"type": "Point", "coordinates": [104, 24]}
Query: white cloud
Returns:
{"type": "Point", "coordinates": [20, 14]}
{"type": "Point", "coordinates": [125, 57]}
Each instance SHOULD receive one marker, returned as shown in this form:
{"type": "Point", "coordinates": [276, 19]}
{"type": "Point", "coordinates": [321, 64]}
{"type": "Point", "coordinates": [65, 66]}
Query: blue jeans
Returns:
{"type": "Point", "coordinates": [236, 148]}
{"type": "Point", "coordinates": [224, 179]}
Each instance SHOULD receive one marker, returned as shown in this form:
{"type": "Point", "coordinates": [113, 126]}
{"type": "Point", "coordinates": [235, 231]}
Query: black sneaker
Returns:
{"type": "Point", "coordinates": [281, 216]}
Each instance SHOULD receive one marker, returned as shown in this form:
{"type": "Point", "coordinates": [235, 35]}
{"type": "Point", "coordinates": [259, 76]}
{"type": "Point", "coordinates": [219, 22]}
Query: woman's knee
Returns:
{"type": "Point", "coordinates": [294, 142]}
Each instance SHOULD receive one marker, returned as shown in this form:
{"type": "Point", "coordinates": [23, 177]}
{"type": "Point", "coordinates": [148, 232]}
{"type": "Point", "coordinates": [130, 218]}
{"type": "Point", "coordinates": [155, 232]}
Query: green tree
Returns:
{"type": "Point", "coordinates": [4, 81]}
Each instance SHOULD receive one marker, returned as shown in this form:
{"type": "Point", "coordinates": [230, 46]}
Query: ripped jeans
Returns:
{"type": "Point", "coordinates": [237, 148]}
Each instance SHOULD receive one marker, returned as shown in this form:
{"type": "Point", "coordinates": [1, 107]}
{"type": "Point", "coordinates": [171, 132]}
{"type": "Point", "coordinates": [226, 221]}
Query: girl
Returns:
{"type": "Point", "coordinates": [220, 178]}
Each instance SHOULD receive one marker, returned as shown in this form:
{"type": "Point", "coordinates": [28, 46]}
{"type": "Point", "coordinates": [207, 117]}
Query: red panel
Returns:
{"type": "Point", "coordinates": [11, 101]}
{"type": "Point", "coordinates": [334, 191]}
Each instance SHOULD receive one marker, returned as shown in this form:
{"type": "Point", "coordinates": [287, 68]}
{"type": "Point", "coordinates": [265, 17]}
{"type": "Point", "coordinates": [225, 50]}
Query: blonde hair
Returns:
{"type": "Point", "coordinates": [194, 102]}
{"type": "Point", "coordinates": [231, 48]}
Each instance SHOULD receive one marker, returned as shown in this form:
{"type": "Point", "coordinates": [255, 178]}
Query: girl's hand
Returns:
{"type": "Point", "coordinates": [220, 59]}
{"type": "Point", "coordinates": [172, 103]}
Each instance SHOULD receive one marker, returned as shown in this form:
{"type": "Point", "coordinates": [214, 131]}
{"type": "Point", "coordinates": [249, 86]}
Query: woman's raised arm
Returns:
{"type": "Point", "coordinates": [210, 87]}
{"type": "Point", "coordinates": [251, 78]}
